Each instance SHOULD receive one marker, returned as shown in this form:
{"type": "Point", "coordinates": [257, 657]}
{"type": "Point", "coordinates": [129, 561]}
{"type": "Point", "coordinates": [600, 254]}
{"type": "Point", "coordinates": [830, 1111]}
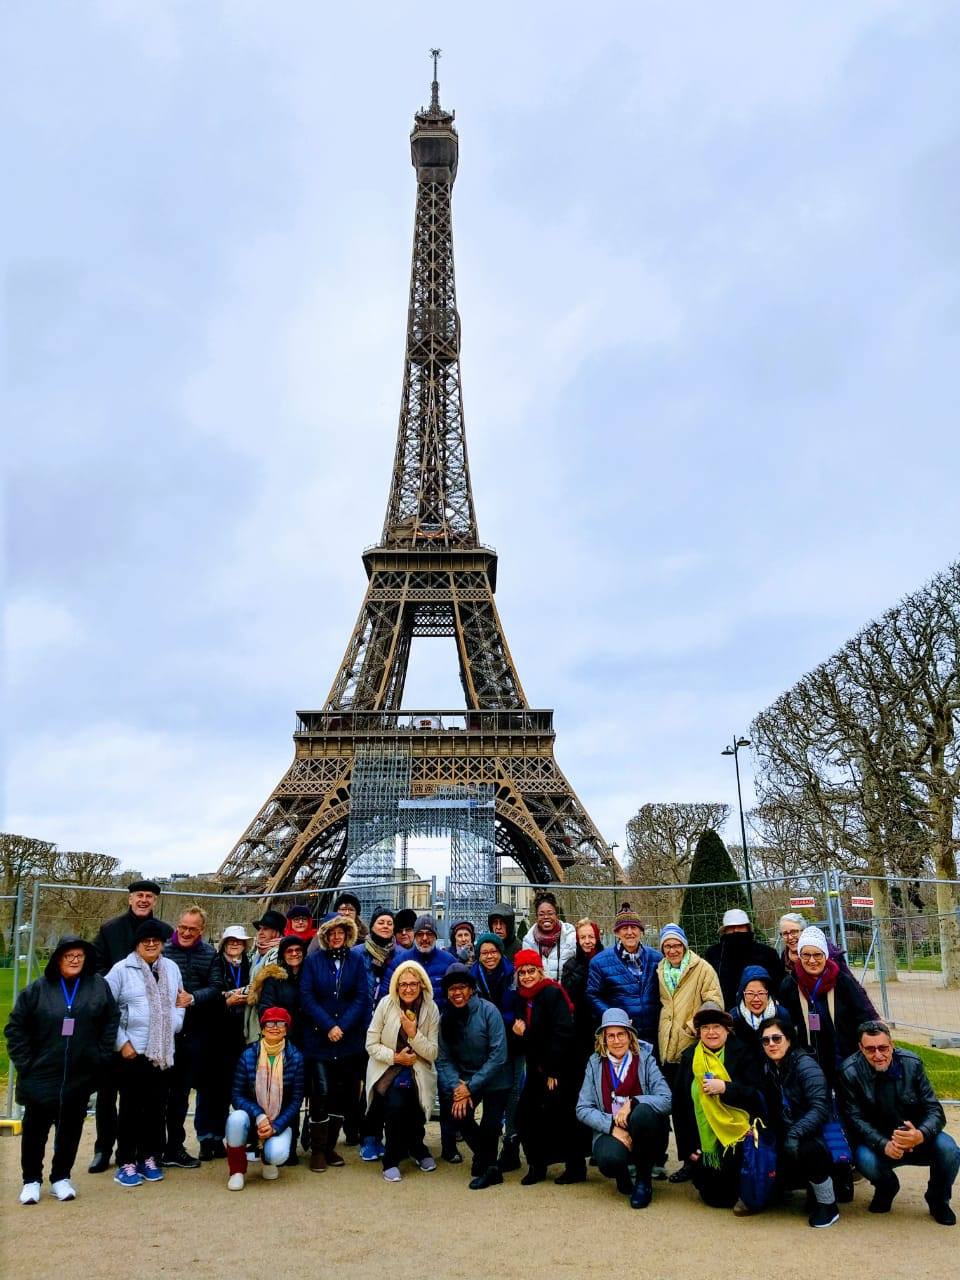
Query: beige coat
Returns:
{"type": "Point", "coordinates": [699, 983]}
{"type": "Point", "coordinates": [385, 1028]}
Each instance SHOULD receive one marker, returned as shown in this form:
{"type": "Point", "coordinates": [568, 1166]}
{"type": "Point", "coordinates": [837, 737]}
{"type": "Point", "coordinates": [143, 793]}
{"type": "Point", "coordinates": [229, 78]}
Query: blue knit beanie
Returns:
{"type": "Point", "coordinates": [673, 931]}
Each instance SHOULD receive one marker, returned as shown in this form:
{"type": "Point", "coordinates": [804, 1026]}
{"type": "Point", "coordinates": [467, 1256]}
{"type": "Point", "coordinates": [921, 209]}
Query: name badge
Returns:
{"type": "Point", "coordinates": [814, 1021]}
{"type": "Point", "coordinates": [67, 1028]}
{"type": "Point", "coordinates": [618, 1101]}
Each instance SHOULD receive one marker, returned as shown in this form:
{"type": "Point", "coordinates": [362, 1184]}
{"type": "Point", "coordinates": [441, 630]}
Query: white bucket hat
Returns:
{"type": "Point", "coordinates": [235, 931]}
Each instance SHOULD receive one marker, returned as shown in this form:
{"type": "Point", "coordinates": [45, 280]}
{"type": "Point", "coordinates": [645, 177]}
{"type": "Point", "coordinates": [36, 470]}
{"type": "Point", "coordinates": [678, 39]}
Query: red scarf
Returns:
{"type": "Point", "coordinates": [529, 994]}
{"type": "Point", "coordinates": [824, 982]}
{"type": "Point", "coordinates": [307, 934]}
{"type": "Point", "coordinates": [629, 1086]}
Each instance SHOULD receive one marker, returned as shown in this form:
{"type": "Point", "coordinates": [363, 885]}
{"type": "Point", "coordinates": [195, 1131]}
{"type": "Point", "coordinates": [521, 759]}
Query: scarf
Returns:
{"type": "Point", "coordinates": [529, 994]}
{"type": "Point", "coordinates": [395, 1073]}
{"type": "Point", "coordinates": [634, 959]}
{"type": "Point", "coordinates": [824, 981]}
{"type": "Point", "coordinates": [720, 1126]}
{"type": "Point", "coordinates": [626, 1076]}
{"type": "Point", "coordinates": [672, 974]}
{"type": "Point", "coordinates": [161, 1000]}
{"type": "Point", "coordinates": [379, 952]}
{"type": "Point", "coordinates": [307, 934]}
{"type": "Point", "coordinates": [269, 1083]}
{"type": "Point", "coordinates": [545, 941]}
{"type": "Point", "coordinates": [754, 1019]}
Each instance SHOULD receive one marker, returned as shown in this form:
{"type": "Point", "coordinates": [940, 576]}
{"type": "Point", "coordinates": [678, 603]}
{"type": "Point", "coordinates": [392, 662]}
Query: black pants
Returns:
{"type": "Point", "coordinates": [547, 1123]}
{"type": "Point", "coordinates": [219, 1087]}
{"type": "Point", "coordinates": [481, 1136]}
{"type": "Point", "coordinates": [648, 1130]}
{"type": "Point", "coordinates": [719, 1187]}
{"type": "Point", "coordinates": [811, 1164]}
{"type": "Point", "coordinates": [66, 1117]}
{"type": "Point", "coordinates": [334, 1088]}
{"type": "Point", "coordinates": [107, 1106]}
{"type": "Point", "coordinates": [141, 1115]}
{"type": "Point", "coordinates": [400, 1117]}
{"type": "Point", "coordinates": [191, 1070]}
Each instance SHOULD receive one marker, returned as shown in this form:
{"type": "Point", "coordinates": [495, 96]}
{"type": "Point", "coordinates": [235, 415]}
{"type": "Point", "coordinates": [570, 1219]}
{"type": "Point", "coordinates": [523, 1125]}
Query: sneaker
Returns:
{"type": "Point", "coordinates": [270, 1172]}
{"type": "Point", "coordinates": [427, 1164]}
{"type": "Point", "coordinates": [940, 1211]}
{"type": "Point", "coordinates": [235, 1182]}
{"type": "Point", "coordinates": [392, 1175]}
{"type": "Point", "coordinates": [824, 1215]}
{"type": "Point", "coordinates": [30, 1193]}
{"type": "Point", "coordinates": [369, 1150]}
{"type": "Point", "coordinates": [150, 1171]}
{"type": "Point", "coordinates": [451, 1156]}
{"type": "Point", "coordinates": [63, 1189]}
{"type": "Point", "coordinates": [180, 1158]}
{"type": "Point", "coordinates": [128, 1176]}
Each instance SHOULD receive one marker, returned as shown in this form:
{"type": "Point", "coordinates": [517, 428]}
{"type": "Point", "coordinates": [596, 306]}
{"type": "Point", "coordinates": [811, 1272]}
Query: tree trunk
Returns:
{"type": "Point", "coordinates": [883, 919]}
{"type": "Point", "coordinates": [948, 890]}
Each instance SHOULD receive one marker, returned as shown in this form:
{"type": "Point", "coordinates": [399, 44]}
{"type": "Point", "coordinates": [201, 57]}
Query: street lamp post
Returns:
{"type": "Point", "coordinates": [734, 750]}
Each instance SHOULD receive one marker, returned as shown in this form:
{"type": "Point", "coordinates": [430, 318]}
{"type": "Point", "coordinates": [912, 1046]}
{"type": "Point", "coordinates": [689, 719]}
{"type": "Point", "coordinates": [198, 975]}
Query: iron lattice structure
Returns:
{"type": "Point", "coordinates": [429, 576]}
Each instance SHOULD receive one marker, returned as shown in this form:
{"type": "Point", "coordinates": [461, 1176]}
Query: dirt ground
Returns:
{"type": "Point", "coordinates": [348, 1222]}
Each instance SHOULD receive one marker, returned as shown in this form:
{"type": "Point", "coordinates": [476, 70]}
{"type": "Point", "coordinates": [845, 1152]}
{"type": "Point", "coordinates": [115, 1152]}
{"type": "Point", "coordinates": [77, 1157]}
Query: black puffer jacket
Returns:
{"type": "Point", "coordinates": [50, 1064]}
{"type": "Point", "coordinates": [874, 1103]}
{"type": "Point", "coordinates": [115, 940]}
{"type": "Point", "coordinates": [797, 1095]}
{"type": "Point", "coordinates": [745, 1090]}
{"type": "Point", "coordinates": [196, 966]}
{"type": "Point", "coordinates": [832, 1043]}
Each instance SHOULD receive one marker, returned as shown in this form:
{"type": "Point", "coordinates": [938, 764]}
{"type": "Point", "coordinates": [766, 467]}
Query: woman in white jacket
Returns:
{"type": "Point", "coordinates": [402, 1042]}
{"type": "Point", "coordinates": [149, 993]}
{"type": "Point", "coordinates": [552, 937]}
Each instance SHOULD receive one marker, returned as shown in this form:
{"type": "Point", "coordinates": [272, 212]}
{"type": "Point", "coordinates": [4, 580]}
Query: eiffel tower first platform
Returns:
{"type": "Point", "coordinates": [430, 575]}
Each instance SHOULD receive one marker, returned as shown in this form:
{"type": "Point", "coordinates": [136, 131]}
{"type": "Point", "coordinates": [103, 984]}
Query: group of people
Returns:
{"type": "Point", "coordinates": [556, 1048]}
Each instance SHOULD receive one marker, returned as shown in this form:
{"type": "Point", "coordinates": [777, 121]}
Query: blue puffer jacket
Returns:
{"type": "Point", "coordinates": [613, 985]}
{"type": "Point", "coordinates": [332, 997]}
{"type": "Point", "coordinates": [245, 1086]}
{"type": "Point", "coordinates": [436, 962]}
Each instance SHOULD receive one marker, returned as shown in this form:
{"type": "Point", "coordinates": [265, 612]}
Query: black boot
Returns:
{"type": "Point", "coordinates": [510, 1155]}
{"type": "Point", "coordinates": [491, 1177]}
{"type": "Point", "coordinates": [100, 1162]}
{"type": "Point", "coordinates": [535, 1173]}
{"type": "Point", "coordinates": [573, 1172]}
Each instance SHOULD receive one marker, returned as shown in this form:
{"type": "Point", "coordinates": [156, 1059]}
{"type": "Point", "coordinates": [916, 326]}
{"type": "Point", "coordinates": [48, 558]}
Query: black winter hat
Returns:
{"type": "Point", "coordinates": [149, 929]}
{"type": "Point", "coordinates": [299, 910]}
{"type": "Point", "coordinates": [351, 898]}
{"type": "Point", "coordinates": [377, 912]}
{"type": "Point", "coordinates": [405, 919]}
{"type": "Point", "coordinates": [143, 886]}
{"type": "Point", "coordinates": [458, 973]}
{"type": "Point", "coordinates": [271, 920]}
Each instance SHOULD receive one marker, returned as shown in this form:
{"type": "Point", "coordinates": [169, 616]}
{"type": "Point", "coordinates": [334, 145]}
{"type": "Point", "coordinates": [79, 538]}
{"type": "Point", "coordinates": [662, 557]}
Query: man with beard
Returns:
{"type": "Point", "coordinates": [738, 948]}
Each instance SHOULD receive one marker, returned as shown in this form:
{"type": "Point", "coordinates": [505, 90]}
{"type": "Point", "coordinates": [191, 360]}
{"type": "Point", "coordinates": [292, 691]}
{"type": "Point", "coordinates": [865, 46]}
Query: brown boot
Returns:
{"type": "Point", "coordinates": [334, 1159]}
{"type": "Point", "coordinates": [318, 1144]}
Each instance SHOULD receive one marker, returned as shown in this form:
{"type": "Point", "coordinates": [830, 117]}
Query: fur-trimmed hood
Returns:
{"type": "Point", "coordinates": [421, 974]}
{"type": "Point", "coordinates": [349, 926]}
{"type": "Point", "coordinates": [259, 978]}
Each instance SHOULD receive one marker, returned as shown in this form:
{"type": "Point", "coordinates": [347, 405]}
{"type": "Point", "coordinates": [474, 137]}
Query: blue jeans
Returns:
{"type": "Point", "coordinates": [942, 1156]}
{"type": "Point", "coordinates": [275, 1149]}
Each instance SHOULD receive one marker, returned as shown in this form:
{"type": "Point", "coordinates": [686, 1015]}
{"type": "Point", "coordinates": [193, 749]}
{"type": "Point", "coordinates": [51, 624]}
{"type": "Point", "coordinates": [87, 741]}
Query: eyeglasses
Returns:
{"type": "Point", "coordinates": [789, 933]}
{"type": "Point", "coordinates": [546, 915]}
{"type": "Point", "coordinates": [880, 1049]}
{"type": "Point", "coordinates": [772, 1039]}
{"type": "Point", "coordinates": [408, 986]}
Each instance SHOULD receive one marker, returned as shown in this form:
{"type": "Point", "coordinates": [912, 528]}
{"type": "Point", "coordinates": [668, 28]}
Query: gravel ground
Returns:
{"type": "Point", "coordinates": [348, 1222]}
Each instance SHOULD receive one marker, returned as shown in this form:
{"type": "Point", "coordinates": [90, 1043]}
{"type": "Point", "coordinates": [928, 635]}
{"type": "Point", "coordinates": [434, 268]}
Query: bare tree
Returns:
{"type": "Point", "coordinates": [662, 839]}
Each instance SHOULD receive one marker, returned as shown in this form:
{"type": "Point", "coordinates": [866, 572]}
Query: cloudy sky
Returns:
{"type": "Point", "coordinates": [708, 275]}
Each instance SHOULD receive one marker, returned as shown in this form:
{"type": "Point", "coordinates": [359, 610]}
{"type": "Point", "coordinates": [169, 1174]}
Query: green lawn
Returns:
{"type": "Point", "coordinates": [942, 1068]}
{"type": "Point", "coordinates": [6, 1004]}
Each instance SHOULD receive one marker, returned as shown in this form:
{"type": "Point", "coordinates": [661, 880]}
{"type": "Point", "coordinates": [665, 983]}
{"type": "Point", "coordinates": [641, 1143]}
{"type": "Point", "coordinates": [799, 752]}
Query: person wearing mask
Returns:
{"type": "Point", "coordinates": [113, 943]}
{"type": "Point", "coordinates": [552, 937]}
{"type": "Point", "coordinates": [736, 949]}
{"type": "Point", "coordinates": [402, 1044]}
{"type": "Point", "coordinates": [894, 1118]}
{"type": "Point", "coordinates": [716, 1099]}
{"type": "Point", "coordinates": [192, 1049]}
{"type": "Point", "coordinates": [625, 976]}
{"type": "Point", "coordinates": [546, 1119]}
{"type": "Point", "coordinates": [146, 986]}
{"type": "Point", "coordinates": [463, 939]}
{"type": "Point", "coordinates": [60, 1033]}
{"type": "Point", "coordinates": [472, 1068]}
{"type": "Point", "coordinates": [798, 1106]}
{"type": "Point", "coordinates": [403, 926]}
{"type": "Point", "coordinates": [825, 1003]}
{"type": "Point", "coordinates": [624, 1102]}
{"type": "Point", "coordinates": [502, 921]}
{"type": "Point", "coordinates": [755, 1002]}
{"type": "Point", "coordinates": [335, 1000]}
{"type": "Point", "coordinates": [269, 930]}
{"type": "Point", "coordinates": [300, 925]}
{"type": "Point", "coordinates": [267, 1094]}
{"type": "Point", "coordinates": [231, 976]}
{"type": "Point", "coordinates": [495, 982]}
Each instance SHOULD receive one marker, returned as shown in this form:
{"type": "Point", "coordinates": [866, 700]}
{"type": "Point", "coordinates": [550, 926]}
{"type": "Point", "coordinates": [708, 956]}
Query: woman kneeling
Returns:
{"type": "Point", "coordinates": [625, 1101]}
{"type": "Point", "coordinates": [267, 1093]}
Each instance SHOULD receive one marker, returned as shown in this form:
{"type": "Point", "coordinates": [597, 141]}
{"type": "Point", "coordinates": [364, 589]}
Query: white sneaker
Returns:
{"type": "Point", "coordinates": [270, 1171]}
{"type": "Point", "coordinates": [63, 1189]}
{"type": "Point", "coordinates": [30, 1193]}
{"type": "Point", "coordinates": [235, 1182]}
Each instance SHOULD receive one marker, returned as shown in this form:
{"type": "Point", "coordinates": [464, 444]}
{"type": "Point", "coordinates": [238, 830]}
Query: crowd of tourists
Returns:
{"type": "Point", "coordinates": [772, 1067]}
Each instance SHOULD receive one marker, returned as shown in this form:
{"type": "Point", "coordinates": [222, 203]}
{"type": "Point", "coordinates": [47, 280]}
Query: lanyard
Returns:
{"type": "Point", "coordinates": [234, 973]}
{"type": "Point", "coordinates": [73, 994]}
{"type": "Point", "coordinates": [617, 1077]}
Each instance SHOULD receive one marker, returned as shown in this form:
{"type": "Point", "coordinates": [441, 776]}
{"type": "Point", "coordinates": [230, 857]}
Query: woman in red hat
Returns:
{"type": "Point", "coordinates": [267, 1093]}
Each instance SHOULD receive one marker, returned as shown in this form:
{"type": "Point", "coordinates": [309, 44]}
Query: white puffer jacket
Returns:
{"type": "Point", "coordinates": [125, 980]}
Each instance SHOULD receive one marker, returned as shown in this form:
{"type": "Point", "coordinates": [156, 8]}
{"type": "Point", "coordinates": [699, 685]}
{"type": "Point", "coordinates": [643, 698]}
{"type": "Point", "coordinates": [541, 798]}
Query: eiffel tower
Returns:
{"type": "Point", "coordinates": [430, 575]}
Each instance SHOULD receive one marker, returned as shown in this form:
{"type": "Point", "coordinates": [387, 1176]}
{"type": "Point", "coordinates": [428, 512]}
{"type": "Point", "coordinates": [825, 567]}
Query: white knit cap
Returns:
{"type": "Point", "coordinates": [813, 937]}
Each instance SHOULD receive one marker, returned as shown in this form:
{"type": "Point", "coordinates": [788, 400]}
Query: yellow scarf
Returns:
{"type": "Point", "coordinates": [720, 1126]}
{"type": "Point", "coordinates": [269, 1083]}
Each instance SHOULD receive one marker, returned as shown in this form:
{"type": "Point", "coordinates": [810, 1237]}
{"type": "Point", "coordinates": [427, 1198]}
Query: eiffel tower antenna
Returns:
{"type": "Point", "coordinates": [430, 575]}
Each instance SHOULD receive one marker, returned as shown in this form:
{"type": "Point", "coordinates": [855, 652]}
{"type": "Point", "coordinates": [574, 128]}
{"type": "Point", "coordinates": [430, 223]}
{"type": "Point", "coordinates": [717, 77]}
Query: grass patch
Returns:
{"type": "Point", "coordinates": [6, 1004]}
{"type": "Point", "coordinates": [942, 1068]}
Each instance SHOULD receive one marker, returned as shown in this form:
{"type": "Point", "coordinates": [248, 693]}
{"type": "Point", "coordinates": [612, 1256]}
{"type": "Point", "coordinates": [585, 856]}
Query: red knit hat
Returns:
{"type": "Point", "coordinates": [276, 1014]}
{"type": "Point", "coordinates": [527, 956]}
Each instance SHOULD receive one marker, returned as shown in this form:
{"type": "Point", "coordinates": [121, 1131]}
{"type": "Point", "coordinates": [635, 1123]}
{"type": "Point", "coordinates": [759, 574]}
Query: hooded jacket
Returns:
{"type": "Point", "coordinates": [511, 943]}
{"type": "Point", "coordinates": [698, 983]}
{"type": "Point", "coordinates": [46, 1060]}
{"type": "Point", "coordinates": [333, 995]}
{"type": "Point", "coordinates": [477, 1055]}
{"type": "Point", "coordinates": [731, 955]}
{"type": "Point", "coordinates": [278, 986]}
{"type": "Point", "coordinates": [384, 1031]}
{"type": "Point", "coordinates": [611, 984]}
{"type": "Point", "coordinates": [114, 941]}
{"type": "Point", "coordinates": [742, 1028]}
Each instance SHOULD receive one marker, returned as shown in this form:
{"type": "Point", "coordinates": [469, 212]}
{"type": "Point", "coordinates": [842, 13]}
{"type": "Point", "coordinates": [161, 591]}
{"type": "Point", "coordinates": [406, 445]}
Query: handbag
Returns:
{"type": "Point", "coordinates": [758, 1168]}
{"type": "Point", "coordinates": [835, 1139]}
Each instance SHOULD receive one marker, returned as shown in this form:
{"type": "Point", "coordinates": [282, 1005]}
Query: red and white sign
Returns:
{"type": "Point", "coordinates": [861, 902]}
{"type": "Point", "coordinates": [803, 902]}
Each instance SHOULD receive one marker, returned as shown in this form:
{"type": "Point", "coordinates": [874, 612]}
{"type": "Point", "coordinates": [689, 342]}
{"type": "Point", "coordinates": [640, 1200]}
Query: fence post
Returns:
{"type": "Point", "coordinates": [17, 918]}
{"type": "Point", "coordinates": [831, 925]}
{"type": "Point", "coordinates": [881, 964]}
{"type": "Point", "coordinates": [33, 931]}
{"type": "Point", "coordinates": [840, 917]}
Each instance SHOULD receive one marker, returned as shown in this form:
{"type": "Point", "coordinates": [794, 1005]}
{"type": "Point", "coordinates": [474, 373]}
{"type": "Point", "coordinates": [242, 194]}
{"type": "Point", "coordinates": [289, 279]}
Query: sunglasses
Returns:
{"type": "Point", "coordinates": [772, 1039]}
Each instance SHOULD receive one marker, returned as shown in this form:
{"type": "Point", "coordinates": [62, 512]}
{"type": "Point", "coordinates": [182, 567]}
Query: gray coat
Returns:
{"type": "Point", "coordinates": [590, 1109]}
